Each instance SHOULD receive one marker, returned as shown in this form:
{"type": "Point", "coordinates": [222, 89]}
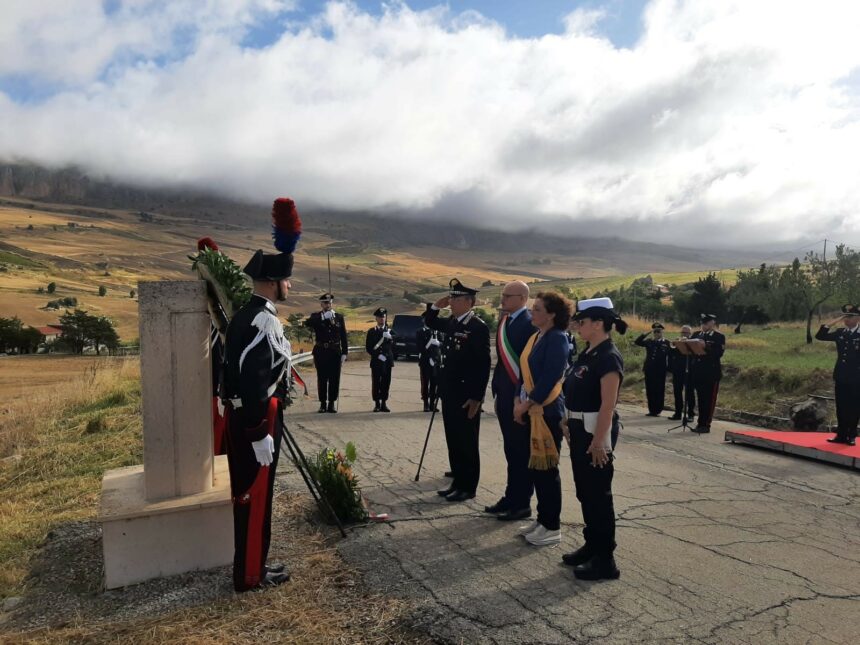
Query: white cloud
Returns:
{"type": "Point", "coordinates": [728, 121]}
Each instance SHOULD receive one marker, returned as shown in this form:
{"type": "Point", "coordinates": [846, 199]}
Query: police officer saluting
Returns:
{"type": "Point", "coordinates": [256, 357]}
{"type": "Point", "coordinates": [846, 373]}
{"type": "Point", "coordinates": [330, 351]}
{"type": "Point", "coordinates": [707, 371]}
{"type": "Point", "coordinates": [655, 367]}
{"type": "Point", "coordinates": [380, 346]}
{"type": "Point", "coordinates": [462, 383]}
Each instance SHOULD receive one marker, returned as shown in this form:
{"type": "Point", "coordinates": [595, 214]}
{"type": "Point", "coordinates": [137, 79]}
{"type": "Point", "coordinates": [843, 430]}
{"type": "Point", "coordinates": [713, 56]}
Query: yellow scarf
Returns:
{"type": "Point", "coordinates": [544, 454]}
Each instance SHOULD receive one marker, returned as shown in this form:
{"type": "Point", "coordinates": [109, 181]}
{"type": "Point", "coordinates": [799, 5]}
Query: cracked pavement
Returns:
{"type": "Point", "coordinates": [717, 543]}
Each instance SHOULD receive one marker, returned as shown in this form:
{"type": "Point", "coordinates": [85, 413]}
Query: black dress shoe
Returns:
{"type": "Point", "coordinates": [426, 407]}
{"type": "Point", "coordinates": [323, 407]}
{"type": "Point", "coordinates": [275, 567]}
{"type": "Point", "coordinates": [850, 441]}
{"type": "Point", "coordinates": [459, 496]}
{"type": "Point", "coordinates": [331, 409]}
{"type": "Point", "coordinates": [376, 407]}
{"type": "Point", "coordinates": [652, 414]}
{"type": "Point", "coordinates": [837, 439]}
{"type": "Point", "coordinates": [514, 514]}
{"type": "Point", "coordinates": [675, 417]}
{"type": "Point", "coordinates": [446, 491]}
{"type": "Point", "coordinates": [275, 579]}
{"type": "Point", "coordinates": [701, 429]}
{"type": "Point", "coordinates": [580, 556]}
{"type": "Point", "coordinates": [384, 408]}
{"type": "Point", "coordinates": [448, 473]}
{"type": "Point", "coordinates": [597, 568]}
{"type": "Point", "coordinates": [499, 507]}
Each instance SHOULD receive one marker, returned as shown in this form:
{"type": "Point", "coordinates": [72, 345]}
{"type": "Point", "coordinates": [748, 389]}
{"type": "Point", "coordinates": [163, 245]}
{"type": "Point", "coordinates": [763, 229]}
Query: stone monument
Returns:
{"type": "Point", "coordinates": [172, 514]}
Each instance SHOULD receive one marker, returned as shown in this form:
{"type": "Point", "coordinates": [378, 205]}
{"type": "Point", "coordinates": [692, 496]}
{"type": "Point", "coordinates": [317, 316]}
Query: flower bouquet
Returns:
{"type": "Point", "coordinates": [338, 483]}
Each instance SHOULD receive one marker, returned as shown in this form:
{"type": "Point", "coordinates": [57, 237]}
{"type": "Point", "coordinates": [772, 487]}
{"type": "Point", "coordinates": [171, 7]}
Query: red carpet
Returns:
{"type": "Point", "coordinates": [806, 444]}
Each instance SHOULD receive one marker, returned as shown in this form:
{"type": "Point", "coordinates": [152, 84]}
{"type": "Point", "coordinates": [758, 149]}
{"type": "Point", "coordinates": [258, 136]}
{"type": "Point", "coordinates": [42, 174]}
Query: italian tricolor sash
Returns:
{"type": "Point", "coordinates": [508, 357]}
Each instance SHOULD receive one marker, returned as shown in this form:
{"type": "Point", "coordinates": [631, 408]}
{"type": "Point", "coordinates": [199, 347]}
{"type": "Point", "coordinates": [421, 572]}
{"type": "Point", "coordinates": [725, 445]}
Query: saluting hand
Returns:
{"type": "Point", "coordinates": [472, 408]}
{"type": "Point", "coordinates": [442, 302]}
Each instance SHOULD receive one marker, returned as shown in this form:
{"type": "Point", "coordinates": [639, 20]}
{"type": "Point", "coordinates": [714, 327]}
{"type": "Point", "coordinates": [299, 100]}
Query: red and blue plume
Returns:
{"type": "Point", "coordinates": [286, 225]}
{"type": "Point", "coordinates": [206, 243]}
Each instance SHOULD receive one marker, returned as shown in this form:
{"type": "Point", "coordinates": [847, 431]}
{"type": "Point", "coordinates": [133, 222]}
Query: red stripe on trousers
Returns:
{"type": "Point", "coordinates": [714, 401]}
{"type": "Point", "coordinates": [219, 427]}
{"type": "Point", "coordinates": [258, 502]}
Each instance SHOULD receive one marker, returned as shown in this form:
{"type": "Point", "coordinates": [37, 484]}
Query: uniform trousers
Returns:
{"type": "Point", "coordinates": [327, 363]}
{"type": "Point", "coordinates": [547, 483]}
{"type": "Point", "coordinates": [655, 390]}
{"type": "Point", "coordinates": [680, 388]}
{"type": "Point", "coordinates": [428, 381]}
{"type": "Point", "coordinates": [847, 409]}
{"type": "Point", "coordinates": [461, 435]}
{"type": "Point", "coordinates": [380, 376]}
{"type": "Point", "coordinates": [251, 488]}
{"type": "Point", "coordinates": [593, 490]}
{"type": "Point", "coordinates": [517, 446]}
{"type": "Point", "coordinates": [706, 397]}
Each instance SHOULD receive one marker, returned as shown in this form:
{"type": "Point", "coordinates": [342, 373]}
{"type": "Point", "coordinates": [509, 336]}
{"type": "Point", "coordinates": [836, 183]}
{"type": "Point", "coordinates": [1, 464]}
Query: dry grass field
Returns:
{"type": "Point", "coordinates": [63, 422]}
{"type": "Point", "coordinates": [82, 249]}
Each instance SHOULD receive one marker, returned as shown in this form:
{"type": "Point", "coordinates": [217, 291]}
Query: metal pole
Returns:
{"type": "Point", "coordinates": [328, 257]}
{"type": "Point", "coordinates": [434, 400]}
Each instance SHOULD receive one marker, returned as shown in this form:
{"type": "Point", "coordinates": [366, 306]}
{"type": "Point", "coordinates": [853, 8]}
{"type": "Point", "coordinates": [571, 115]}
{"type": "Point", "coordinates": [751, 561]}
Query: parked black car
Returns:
{"type": "Point", "coordinates": [405, 330]}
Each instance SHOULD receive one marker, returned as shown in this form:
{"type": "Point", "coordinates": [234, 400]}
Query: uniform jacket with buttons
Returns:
{"type": "Point", "coordinates": [708, 367]}
{"type": "Point", "coordinates": [386, 347]}
{"type": "Point", "coordinates": [847, 368]}
{"type": "Point", "coordinates": [656, 353]}
{"type": "Point", "coordinates": [466, 355]}
{"type": "Point", "coordinates": [330, 334]}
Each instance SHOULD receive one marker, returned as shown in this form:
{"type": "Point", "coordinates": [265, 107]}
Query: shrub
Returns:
{"type": "Point", "coordinates": [339, 485]}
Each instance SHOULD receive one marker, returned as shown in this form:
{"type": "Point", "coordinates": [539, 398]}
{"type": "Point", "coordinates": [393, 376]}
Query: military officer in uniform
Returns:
{"type": "Point", "coordinates": [380, 346]}
{"type": "Point", "coordinates": [655, 366]}
{"type": "Point", "coordinates": [331, 348]}
{"type": "Point", "coordinates": [256, 357]}
{"type": "Point", "coordinates": [462, 383]}
{"type": "Point", "coordinates": [707, 371]}
{"type": "Point", "coordinates": [682, 386]}
{"type": "Point", "coordinates": [846, 373]}
{"type": "Point", "coordinates": [429, 363]}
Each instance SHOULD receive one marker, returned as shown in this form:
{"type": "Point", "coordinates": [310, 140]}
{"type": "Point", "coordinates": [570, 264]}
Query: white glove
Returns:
{"type": "Point", "coordinates": [432, 363]}
{"type": "Point", "coordinates": [328, 315]}
{"type": "Point", "coordinates": [382, 357]}
{"type": "Point", "coordinates": [342, 359]}
{"type": "Point", "coordinates": [386, 335]}
{"type": "Point", "coordinates": [264, 449]}
{"type": "Point", "coordinates": [435, 342]}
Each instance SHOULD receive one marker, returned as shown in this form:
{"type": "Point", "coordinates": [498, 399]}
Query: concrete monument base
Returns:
{"type": "Point", "coordinates": [145, 539]}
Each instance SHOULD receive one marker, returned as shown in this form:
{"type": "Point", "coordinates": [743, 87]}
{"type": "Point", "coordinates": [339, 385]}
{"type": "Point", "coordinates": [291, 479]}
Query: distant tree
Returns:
{"type": "Point", "coordinates": [297, 330]}
{"type": "Point", "coordinates": [750, 298]}
{"type": "Point", "coordinates": [52, 287]}
{"type": "Point", "coordinates": [132, 293]}
{"type": "Point", "coordinates": [487, 283]}
{"type": "Point", "coordinates": [707, 296]}
{"type": "Point", "coordinates": [30, 227]}
{"type": "Point", "coordinates": [101, 332]}
{"type": "Point", "coordinates": [488, 317]}
{"type": "Point", "coordinates": [40, 290]}
{"type": "Point", "coordinates": [828, 280]}
{"type": "Point", "coordinates": [10, 330]}
{"type": "Point", "coordinates": [102, 291]}
{"type": "Point", "coordinates": [81, 330]}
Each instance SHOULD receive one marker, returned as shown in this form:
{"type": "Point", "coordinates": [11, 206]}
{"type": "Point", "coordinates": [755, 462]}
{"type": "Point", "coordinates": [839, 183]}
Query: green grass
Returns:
{"type": "Point", "coordinates": [589, 286]}
{"type": "Point", "coordinates": [7, 257]}
{"type": "Point", "coordinates": [764, 368]}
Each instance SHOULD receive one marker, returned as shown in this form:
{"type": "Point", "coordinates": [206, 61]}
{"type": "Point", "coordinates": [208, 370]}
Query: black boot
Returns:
{"type": "Point", "coordinates": [837, 439]}
{"type": "Point", "coordinates": [376, 406]}
{"type": "Point", "coordinates": [426, 405]}
{"type": "Point", "coordinates": [383, 407]}
{"type": "Point", "coordinates": [600, 567]}
{"type": "Point", "coordinates": [331, 407]}
{"type": "Point", "coordinates": [580, 556]}
{"type": "Point", "coordinates": [322, 407]}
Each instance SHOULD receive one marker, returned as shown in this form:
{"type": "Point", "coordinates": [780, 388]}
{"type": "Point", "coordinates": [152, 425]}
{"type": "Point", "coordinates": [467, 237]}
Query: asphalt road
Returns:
{"type": "Point", "coordinates": [717, 543]}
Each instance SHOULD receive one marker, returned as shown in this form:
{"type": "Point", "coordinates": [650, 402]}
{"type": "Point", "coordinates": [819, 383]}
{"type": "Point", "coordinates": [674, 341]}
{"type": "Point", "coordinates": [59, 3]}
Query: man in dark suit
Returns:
{"type": "Point", "coordinates": [515, 329]}
{"type": "Point", "coordinates": [846, 373]}
{"type": "Point", "coordinates": [682, 385]}
{"type": "Point", "coordinates": [707, 371]}
{"type": "Point", "coordinates": [655, 366]}
{"type": "Point", "coordinates": [462, 383]}
{"type": "Point", "coordinates": [330, 351]}
{"type": "Point", "coordinates": [380, 346]}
